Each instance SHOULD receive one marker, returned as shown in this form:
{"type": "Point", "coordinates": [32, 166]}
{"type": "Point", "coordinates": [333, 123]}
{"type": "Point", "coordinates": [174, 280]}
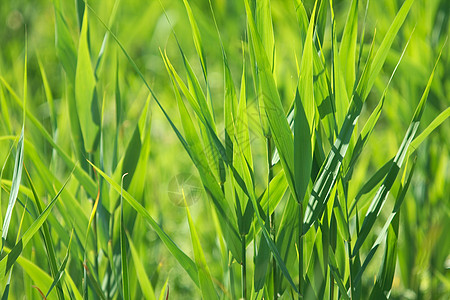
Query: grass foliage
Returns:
{"type": "Point", "coordinates": [225, 149]}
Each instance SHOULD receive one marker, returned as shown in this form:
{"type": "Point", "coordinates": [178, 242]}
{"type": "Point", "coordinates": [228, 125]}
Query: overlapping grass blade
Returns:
{"type": "Point", "coordinates": [17, 175]}
{"type": "Point", "coordinates": [179, 255]}
{"type": "Point", "coordinates": [7, 262]}
{"type": "Point", "coordinates": [273, 108]}
{"type": "Point", "coordinates": [47, 240]}
{"type": "Point", "coordinates": [62, 268]}
{"type": "Point", "coordinates": [144, 282]}
{"type": "Point", "coordinates": [81, 175]}
{"type": "Point", "coordinates": [84, 88]}
{"type": "Point", "coordinates": [331, 167]}
{"type": "Point", "coordinates": [387, 227]}
{"type": "Point", "coordinates": [304, 117]}
{"type": "Point", "coordinates": [204, 275]}
{"type": "Point", "coordinates": [347, 49]}
{"type": "Point", "coordinates": [381, 196]}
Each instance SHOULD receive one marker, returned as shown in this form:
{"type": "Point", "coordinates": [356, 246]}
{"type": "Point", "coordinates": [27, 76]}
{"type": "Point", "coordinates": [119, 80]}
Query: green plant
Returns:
{"type": "Point", "coordinates": [301, 185]}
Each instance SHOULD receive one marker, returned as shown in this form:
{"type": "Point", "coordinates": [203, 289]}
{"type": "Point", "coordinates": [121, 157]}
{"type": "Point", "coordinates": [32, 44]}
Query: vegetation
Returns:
{"type": "Point", "coordinates": [225, 149]}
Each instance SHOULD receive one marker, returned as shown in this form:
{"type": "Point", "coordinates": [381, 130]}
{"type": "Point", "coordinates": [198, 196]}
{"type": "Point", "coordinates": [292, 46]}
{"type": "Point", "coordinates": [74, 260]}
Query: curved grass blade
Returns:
{"type": "Point", "coordinates": [47, 239]}
{"type": "Point", "coordinates": [204, 276]}
{"type": "Point", "coordinates": [387, 225]}
{"type": "Point", "coordinates": [273, 108]}
{"type": "Point", "coordinates": [331, 167]}
{"type": "Point", "coordinates": [381, 196]}
{"type": "Point", "coordinates": [7, 262]}
{"type": "Point", "coordinates": [57, 277]}
{"type": "Point", "coordinates": [423, 135]}
{"type": "Point", "coordinates": [85, 88]}
{"type": "Point", "coordinates": [81, 175]}
{"type": "Point", "coordinates": [17, 175]}
{"type": "Point", "coordinates": [179, 255]}
{"type": "Point", "coordinates": [144, 282]}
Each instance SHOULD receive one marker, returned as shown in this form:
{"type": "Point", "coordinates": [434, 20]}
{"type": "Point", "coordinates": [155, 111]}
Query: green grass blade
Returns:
{"type": "Point", "coordinates": [337, 275]}
{"type": "Point", "coordinates": [47, 239]}
{"type": "Point", "coordinates": [365, 85]}
{"type": "Point", "coordinates": [426, 132]}
{"type": "Point", "coordinates": [17, 175]}
{"type": "Point", "coordinates": [380, 198]}
{"type": "Point", "coordinates": [347, 49]}
{"type": "Point", "coordinates": [65, 47]}
{"type": "Point", "coordinates": [144, 282]}
{"type": "Point", "coordinates": [387, 225]}
{"type": "Point", "coordinates": [196, 37]}
{"type": "Point", "coordinates": [270, 242]}
{"type": "Point", "coordinates": [371, 122]}
{"type": "Point", "coordinates": [123, 248]}
{"type": "Point", "coordinates": [62, 268]}
{"type": "Point", "coordinates": [84, 87]}
{"type": "Point", "coordinates": [179, 255]}
{"type": "Point", "coordinates": [273, 108]}
{"type": "Point", "coordinates": [204, 276]}
{"type": "Point", "coordinates": [80, 174]}
{"type": "Point", "coordinates": [7, 262]}
{"type": "Point", "coordinates": [304, 117]}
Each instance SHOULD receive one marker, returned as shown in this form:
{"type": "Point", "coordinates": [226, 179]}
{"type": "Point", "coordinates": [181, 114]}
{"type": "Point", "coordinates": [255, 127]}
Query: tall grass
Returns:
{"type": "Point", "coordinates": [254, 150]}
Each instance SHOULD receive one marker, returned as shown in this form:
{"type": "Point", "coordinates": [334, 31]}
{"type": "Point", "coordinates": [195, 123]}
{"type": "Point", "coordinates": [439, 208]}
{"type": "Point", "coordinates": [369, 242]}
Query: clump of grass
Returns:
{"type": "Point", "coordinates": [310, 228]}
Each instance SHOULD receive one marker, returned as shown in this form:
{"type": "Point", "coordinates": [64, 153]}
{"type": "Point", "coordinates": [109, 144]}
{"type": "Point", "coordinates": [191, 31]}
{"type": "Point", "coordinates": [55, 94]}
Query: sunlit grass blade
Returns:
{"type": "Point", "coordinates": [426, 132]}
{"type": "Point", "coordinates": [17, 175]}
{"type": "Point", "coordinates": [47, 239]}
{"type": "Point", "coordinates": [387, 226]}
{"type": "Point", "coordinates": [179, 255]}
{"type": "Point", "coordinates": [365, 85]}
{"type": "Point", "coordinates": [371, 122]}
{"type": "Point", "coordinates": [347, 49]}
{"type": "Point", "coordinates": [304, 117]}
{"type": "Point", "coordinates": [273, 108]}
{"type": "Point", "coordinates": [273, 248]}
{"type": "Point", "coordinates": [123, 248]}
{"type": "Point", "coordinates": [337, 274]}
{"type": "Point", "coordinates": [204, 275]}
{"type": "Point", "coordinates": [62, 268]}
{"type": "Point", "coordinates": [144, 281]}
{"type": "Point", "coordinates": [80, 174]}
{"type": "Point", "coordinates": [7, 261]}
{"type": "Point", "coordinates": [381, 196]}
{"type": "Point", "coordinates": [84, 88]}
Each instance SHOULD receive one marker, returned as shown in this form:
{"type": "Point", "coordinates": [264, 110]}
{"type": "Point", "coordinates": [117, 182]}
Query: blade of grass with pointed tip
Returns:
{"type": "Point", "coordinates": [84, 87]}
{"type": "Point", "coordinates": [123, 248]}
{"type": "Point", "coordinates": [273, 107]}
{"type": "Point", "coordinates": [7, 261]}
{"type": "Point", "coordinates": [179, 255]}
{"type": "Point", "coordinates": [347, 49]}
{"type": "Point", "coordinates": [371, 122]}
{"type": "Point", "coordinates": [84, 179]}
{"type": "Point", "coordinates": [204, 276]}
{"type": "Point", "coordinates": [365, 86]}
{"type": "Point", "coordinates": [387, 225]}
{"type": "Point", "coordinates": [304, 117]}
{"type": "Point", "coordinates": [47, 238]}
{"type": "Point", "coordinates": [62, 268]}
{"type": "Point", "coordinates": [381, 196]}
{"type": "Point", "coordinates": [248, 179]}
{"type": "Point", "coordinates": [426, 132]}
{"type": "Point", "coordinates": [17, 175]}
{"type": "Point", "coordinates": [196, 152]}
{"type": "Point", "coordinates": [144, 282]}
